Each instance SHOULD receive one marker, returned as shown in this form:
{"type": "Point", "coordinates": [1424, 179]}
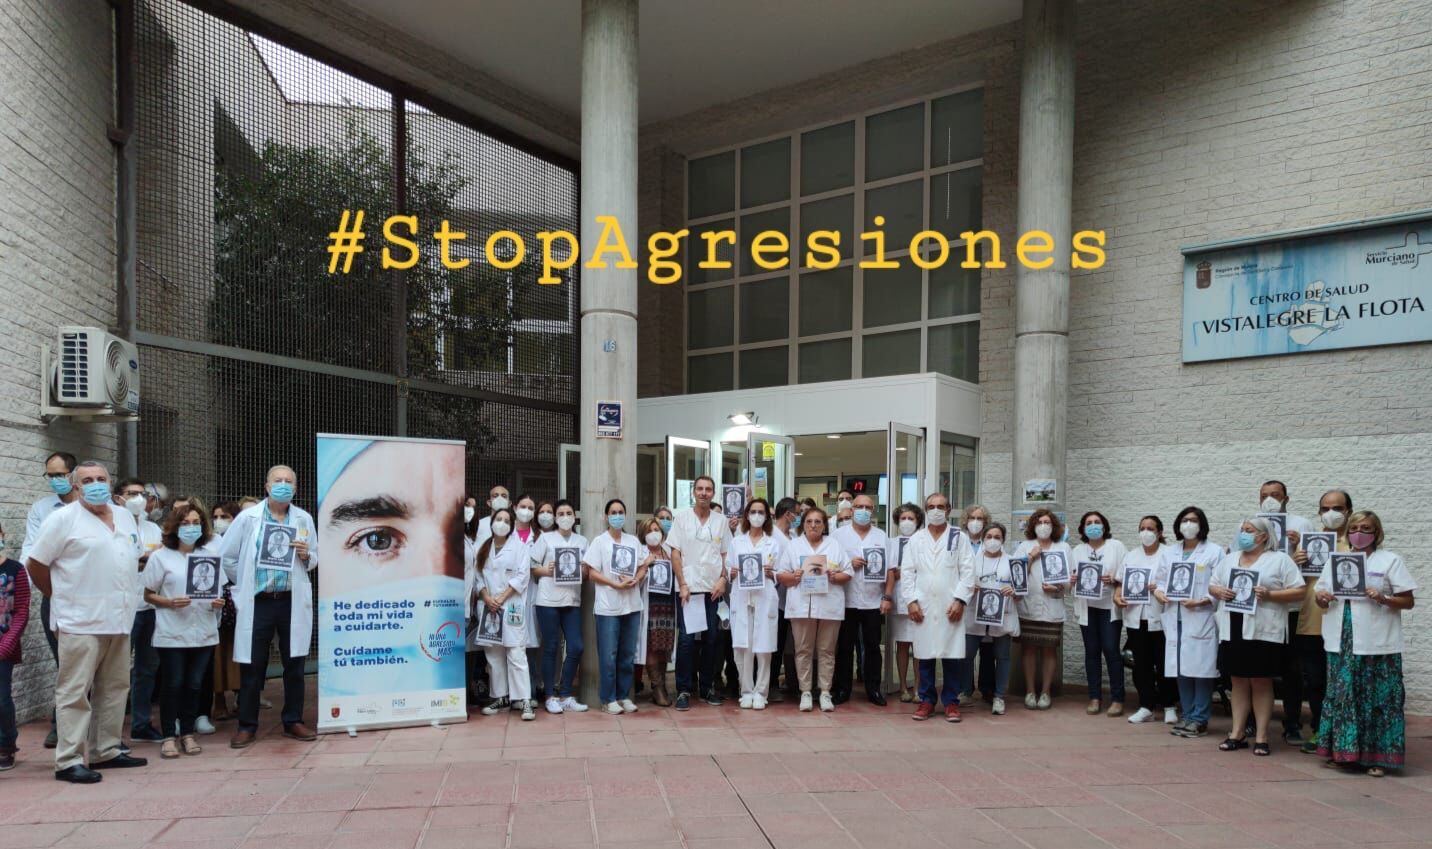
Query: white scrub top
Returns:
{"type": "Point", "coordinates": [753, 611]}
{"type": "Point", "coordinates": [610, 601]}
{"type": "Point", "coordinates": [195, 626]}
{"type": "Point", "coordinates": [94, 570]}
{"type": "Point", "coordinates": [1109, 556]}
{"type": "Point", "coordinates": [1376, 629]}
{"type": "Point", "coordinates": [828, 605]}
{"type": "Point", "coordinates": [1038, 605]}
{"type": "Point", "coordinates": [549, 592]}
{"type": "Point", "coordinates": [861, 594]}
{"type": "Point", "coordinates": [1150, 613]}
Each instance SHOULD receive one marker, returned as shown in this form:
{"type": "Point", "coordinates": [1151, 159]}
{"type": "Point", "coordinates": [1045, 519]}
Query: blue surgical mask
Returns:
{"type": "Point", "coordinates": [1246, 541]}
{"type": "Point", "coordinates": [61, 486]}
{"type": "Point", "coordinates": [862, 516]}
{"type": "Point", "coordinates": [96, 492]}
{"type": "Point", "coordinates": [282, 492]}
{"type": "Point", "coordinates": [1094, 531]}
{"type": "Point", "coordinates": [616, 521]}
{"type": "Point", "coordinates": [189, 534]}
{"type": "Point", "coordinates": [665, 525]}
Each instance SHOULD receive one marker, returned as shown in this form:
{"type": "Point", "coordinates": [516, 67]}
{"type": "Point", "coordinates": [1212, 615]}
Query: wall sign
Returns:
{"type": "Point", "coordinates": [609, 420]}
{"type": "Point", "coordinates": [1336, 287]}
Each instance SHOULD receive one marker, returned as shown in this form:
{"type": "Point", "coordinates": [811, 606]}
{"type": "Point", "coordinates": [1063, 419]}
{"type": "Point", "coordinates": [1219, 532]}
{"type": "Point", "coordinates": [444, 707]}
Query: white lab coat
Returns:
{"type": "Point", "coordinates": [829, 605]}
{"type": "Point", "coordinates": [1151, 613]}
{"type": "Point", "coordinates": [992, 573]}
{"type": "Point", "coordinates": [902, 630]}
{"type": "Point", "coordinates": [934, 575]}
{"type": "Point", "coordinates": [754, 606]}
{"type": "Point", "coordinates": [509, 566]}
{"type": "Point", "coordinates": [1190, 635]}
{"type": "Point", "coordinates": [1038, 605]}
{"type": "Point", "coordinates": [240, 558]}
{"type": "Point", "coordinates": [1269, 621]}
{"type": "Point", "coordinates": [1110, 556]}
{"type": "Point", "coordinates": [1376, 629]}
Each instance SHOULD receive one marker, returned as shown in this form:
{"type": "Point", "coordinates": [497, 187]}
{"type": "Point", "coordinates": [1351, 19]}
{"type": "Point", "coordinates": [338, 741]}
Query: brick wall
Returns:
{"type": "Point", "coordinates": [57, 244]}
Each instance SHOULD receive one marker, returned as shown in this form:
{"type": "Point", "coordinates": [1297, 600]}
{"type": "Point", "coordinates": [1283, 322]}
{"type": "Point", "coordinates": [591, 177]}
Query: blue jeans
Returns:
{"type": "Point", "coordinates": [180, 697]}
{"type": "Point", "coordinates": [994, 664]}
{"type": "Point", "coordinates": [566, 623]}
{"type": "Point", "coordinates": [616, 652]}
{"type": "Point", "coordinates": [949, 688]}
{"type": "Point", "coordinates": [1101, 640]}
{"type": "Point", "coordinates": [8, 732]}
{"type": "Point", "coordinates": [145, 671]}
{"type": "Point", "coordinates": [1196, 696]}
{"type": "Point", "coordinates": [699, 660]}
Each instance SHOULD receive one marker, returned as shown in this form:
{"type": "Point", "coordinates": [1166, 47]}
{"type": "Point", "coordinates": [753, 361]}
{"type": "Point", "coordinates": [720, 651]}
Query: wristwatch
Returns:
{"type": "Point", "coordinates": [889, 598]}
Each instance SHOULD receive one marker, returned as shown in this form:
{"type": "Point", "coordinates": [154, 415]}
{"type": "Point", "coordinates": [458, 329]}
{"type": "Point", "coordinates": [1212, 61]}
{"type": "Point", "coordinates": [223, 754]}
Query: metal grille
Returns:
{"type": "Point", "coordinates": [248, 152]}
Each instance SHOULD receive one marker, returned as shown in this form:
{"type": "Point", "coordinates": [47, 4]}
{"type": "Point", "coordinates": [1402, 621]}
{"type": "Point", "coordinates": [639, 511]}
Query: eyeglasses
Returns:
{"type": "Point", "coordinates": [55, 475]}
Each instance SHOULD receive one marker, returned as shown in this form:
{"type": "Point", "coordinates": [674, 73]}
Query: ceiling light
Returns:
{"type": "Point", "coordinates": [832, 436]}
{"type": "Point", "coordinates": [799, 454]}
{"type": "Point", "coordinates": [748, 418]}
{"type": "Point", "coordinates": [900, 448]}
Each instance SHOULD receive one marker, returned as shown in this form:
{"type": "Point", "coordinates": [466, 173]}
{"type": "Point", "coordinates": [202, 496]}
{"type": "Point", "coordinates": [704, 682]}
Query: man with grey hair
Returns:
{"type": "Point", "coordinates": [86, 558]}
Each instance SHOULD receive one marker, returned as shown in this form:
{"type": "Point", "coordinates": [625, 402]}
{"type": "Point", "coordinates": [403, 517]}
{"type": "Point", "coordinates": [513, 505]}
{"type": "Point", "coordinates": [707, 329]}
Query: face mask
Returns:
{"type": "Point", "coordinates": [907, 527]}
{"type": "Point", "coordinates": [993, 546]}
{"type": "Point", "coordinates": [616, 521]}
{"type": "Point", "coordinates": [501, 529]}
{"type": "Point", "coordinates": [156, 515]}
{"type": "Point", "coordinates": [843, 504]}
{"type": "Point", "coordinates": [135, 505]}
{"type": "Point", "coordinates": [1044, 531]}
{"type": "Point", "coordinates": [757, 520]}
{"type": "Point", "coordinates": [498, 503]}
{"type": "Point", "coordinates": [653, 539]}
{"type": "Point", "coordinates": [974, 526]}
{"type": "Point", "coordinates": [565, 522]}
{"type": "Point", "coordinates": [1094, 532]}
{"type": "Point", "coordinates": [545, 520]}
{"type": "Point", "coordinates": [862, 517]}
{"type": "Point", "coordinates": [467, 514]}
{"type": "Point", "coordinates": [1361, 539]}
{"type": "Point", "coordinates": [665, 525]}
{"type": "Point", "coordinates": [1246, 541]}
{"type": "Point", "coordinates": [221, 525]}
{"type": "Point", "coordinates": [1333, 519]}
{"type": "Point", "coordinates": [1148, 537]}
{"type": "Point", "coordinates": [282, 492]}
{"type": "Point", "coordinates": [1272, 505]}
{"type": "Point", "coordinates": [61, 486]}
{"type": "Point", "coordinates": [189, 534]}
{"type": "Point", "coordinates": [96, 493]}
{"type": "Point", "coordinates": [935, 517]}
{"type": "Point", "coordinates": [524, 514]}
{"type": "Point", "coordinates": [1189, 530]}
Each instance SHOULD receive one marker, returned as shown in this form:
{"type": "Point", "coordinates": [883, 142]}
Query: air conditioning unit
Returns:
{"type": "Point", "coordinates": [94, 370]}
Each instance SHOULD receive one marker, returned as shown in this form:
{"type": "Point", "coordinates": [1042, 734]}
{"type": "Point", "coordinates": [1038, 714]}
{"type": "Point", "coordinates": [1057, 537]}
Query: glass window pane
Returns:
{"type": "Point", "coordinates": [890, 353]}
{"type": "Point", "coordinates": [895, 142]}
{"type": "Point", "coordinates": [954, 290]}
{"type": "Point", "coordinates": [708, 373]}
{"type": "Point", "coordinates": [827, 301]}
{"type": "Point", "coordinates": [709, 317]}
{"type": "Point", "coordinates": [764, 367]}
{"type": "Point", "coordinates": [900, 204]}
{"type": "Point", "coordinates": [697, 251]}
{"type": "Point", "coordinates": [752, 225]}
{"type": "Point", "coordinates": [766, 173]}
{"type": "Point", "coordinates": [828, 158]}
{"type": "Point", "coordinates": [957, 128]}
{"type": "Point", "coordinates": [711, 185]}
{"type": "Point", "coordinates": [955, 201]}
{"type": "Point", "coordinates": [838, 214]}
{"type": "Point", "coordinates": [543, 353]}
{"type": "Point", "coordinates": [829, 360]}
{"type": "Point", "coordinates": [765, 311]}
{"type": "Point", "coordinates": [955, 350]}
{"type": "Point", "coordinates": [892, 295]}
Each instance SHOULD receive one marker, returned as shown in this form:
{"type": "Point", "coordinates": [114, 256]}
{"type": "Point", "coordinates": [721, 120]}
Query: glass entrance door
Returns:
{"type": "Point", "coordinates": [770, 466]}
{"type": "Point", "coordinates": [905, 484]}
{"type": "Point", "coordinates": [686, 460]}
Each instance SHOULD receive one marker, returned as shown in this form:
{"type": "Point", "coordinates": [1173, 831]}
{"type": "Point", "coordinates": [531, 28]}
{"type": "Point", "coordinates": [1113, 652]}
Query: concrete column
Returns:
{"type": "Point", "coordinates": [609, 296]}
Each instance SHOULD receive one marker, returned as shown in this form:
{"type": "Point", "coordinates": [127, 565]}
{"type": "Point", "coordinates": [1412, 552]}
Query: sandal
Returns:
{"type": "Point", "coordinates": [1262, 750]}
{"type": "Point", "coordinates": [168, 750]}
{"type": "Point", "coordinates": [1232, 745]}
{"type": "Point", "coordinates": [190, 745]}
{"type": "Point", "coordinates": [1376, 772]}
{"type": "Point", "coordinates": [907, 696]}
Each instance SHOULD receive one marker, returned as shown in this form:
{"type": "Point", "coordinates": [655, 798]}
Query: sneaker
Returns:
{"type": "Point", "coordinates": [1044, 701]}
{"type": "Point", "coordinates": [529, 710]}
{"type": "Point", "coordinates": [683, 701]}
{"type": "Point", "coordinates": [806, 702]}
{"type": "Point", "coordinates": [204, 726]}
{"type": "Point", "coordinates": [1170, 716]}
{"type": "Point", "coordinates": [495, 707]}
{"type": "Point", "coordinates": [952, 713]}
{"type": "Point", "coordinates": [1179, 728]}
{"type": "Point", "coordinates": [998, 709]}
{"type": "Point", "coordinates": [827, 703]}
{"type": "Point", "coordinates": [714, 699]}
{"type": "Point", "coordinates": [571, 704]}
{"type": "Point", "coordinates": [553, 705]}
{"type": "Point", "coordinates": [1031, 701]}
{"type": "Point", "coordinates": [746, 702]}
{"type": "Point", "coordinates": [628, 706]}
{"type": "Point", "coordinates": [923, 712]}
{"type": "Point", "coordinates": [146, 734]}
{"type": "Point", "coordinates": [7, 761]}
{"type": "Point", "coordinates": [613, 708]}
{"type": "Point", "coordinates": [1310, 746]}
{"type": "Point", "coordinates": [758, 702]}
{"type": "Point", "coordinates": [1195, 730]}
{"type": "Point", "coordinates": [967, 699]}
{"type": "Point", "coordinates": [1143, 714]}
{"type": "Point", "coordinates": [1293, 737]}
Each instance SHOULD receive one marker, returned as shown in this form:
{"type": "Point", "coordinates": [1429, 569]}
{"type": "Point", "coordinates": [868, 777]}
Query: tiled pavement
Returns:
{"type": "Point", "coordinates": [721, 778]}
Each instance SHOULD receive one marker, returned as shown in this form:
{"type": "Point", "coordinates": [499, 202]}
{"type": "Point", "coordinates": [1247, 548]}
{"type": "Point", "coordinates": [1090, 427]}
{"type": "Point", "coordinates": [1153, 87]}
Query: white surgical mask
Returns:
{"type": "Point", "coordinates": [993, 546]}
{"type": "Point", "coordinates": [566, 521]}
{"type": "Point", "coordinates": [545, 520]}
{"type": "Point", "coordinates": [843, 504]}
{"type": "Point", "coordinates": [498, 503]}
{"type": "Point", "coordinates": [221, 525]}
{"type": "Point", "coordinates": [653, 538]}
{"type": "Point", "coordinates": [1189, 530]}
{"type": "Point", "coordinates": [757, 520]}
{"type": "Point", "coordinates": [907, 527]}
{"type": "Point", "coordinates": [1333, 519]}
{"type": "Point", "coordinates": [935, 517]}
{"type": "Point", "coordinates": [1043, 531]}
{"type": "Point", "coordinates": [467, 514]}
{"type": "Point", "coordinates": [501, 529]}
{"type": "Point", "coordinates": [974, 526]}
{"type": "Point", "coordinates": [1148, 537]}
{"type": "Point", "coordinates": [1272, 505]}
{"type": "Point", "coordinates": [135, 505]}
{"type": "Point", "coordinates": [524, 514]}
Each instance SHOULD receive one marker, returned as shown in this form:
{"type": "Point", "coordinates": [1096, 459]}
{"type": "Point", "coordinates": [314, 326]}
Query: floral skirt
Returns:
{"type": "Point", "coordinates": [1362, 713]}
{"type": "Point", "coordinates": [661, 624]}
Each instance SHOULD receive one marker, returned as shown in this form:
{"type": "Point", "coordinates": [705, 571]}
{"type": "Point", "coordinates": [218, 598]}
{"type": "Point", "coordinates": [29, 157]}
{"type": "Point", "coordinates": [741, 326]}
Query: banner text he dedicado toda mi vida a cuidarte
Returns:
{"type": "Point", "coordinates": [769, 250]}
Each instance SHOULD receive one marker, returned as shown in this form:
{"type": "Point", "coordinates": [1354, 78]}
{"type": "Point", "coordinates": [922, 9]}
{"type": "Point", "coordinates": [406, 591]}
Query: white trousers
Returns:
{"type": "Point", "coordinates": [507, 673]}
{"type": "Point", "coordinates": [760, 683]}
